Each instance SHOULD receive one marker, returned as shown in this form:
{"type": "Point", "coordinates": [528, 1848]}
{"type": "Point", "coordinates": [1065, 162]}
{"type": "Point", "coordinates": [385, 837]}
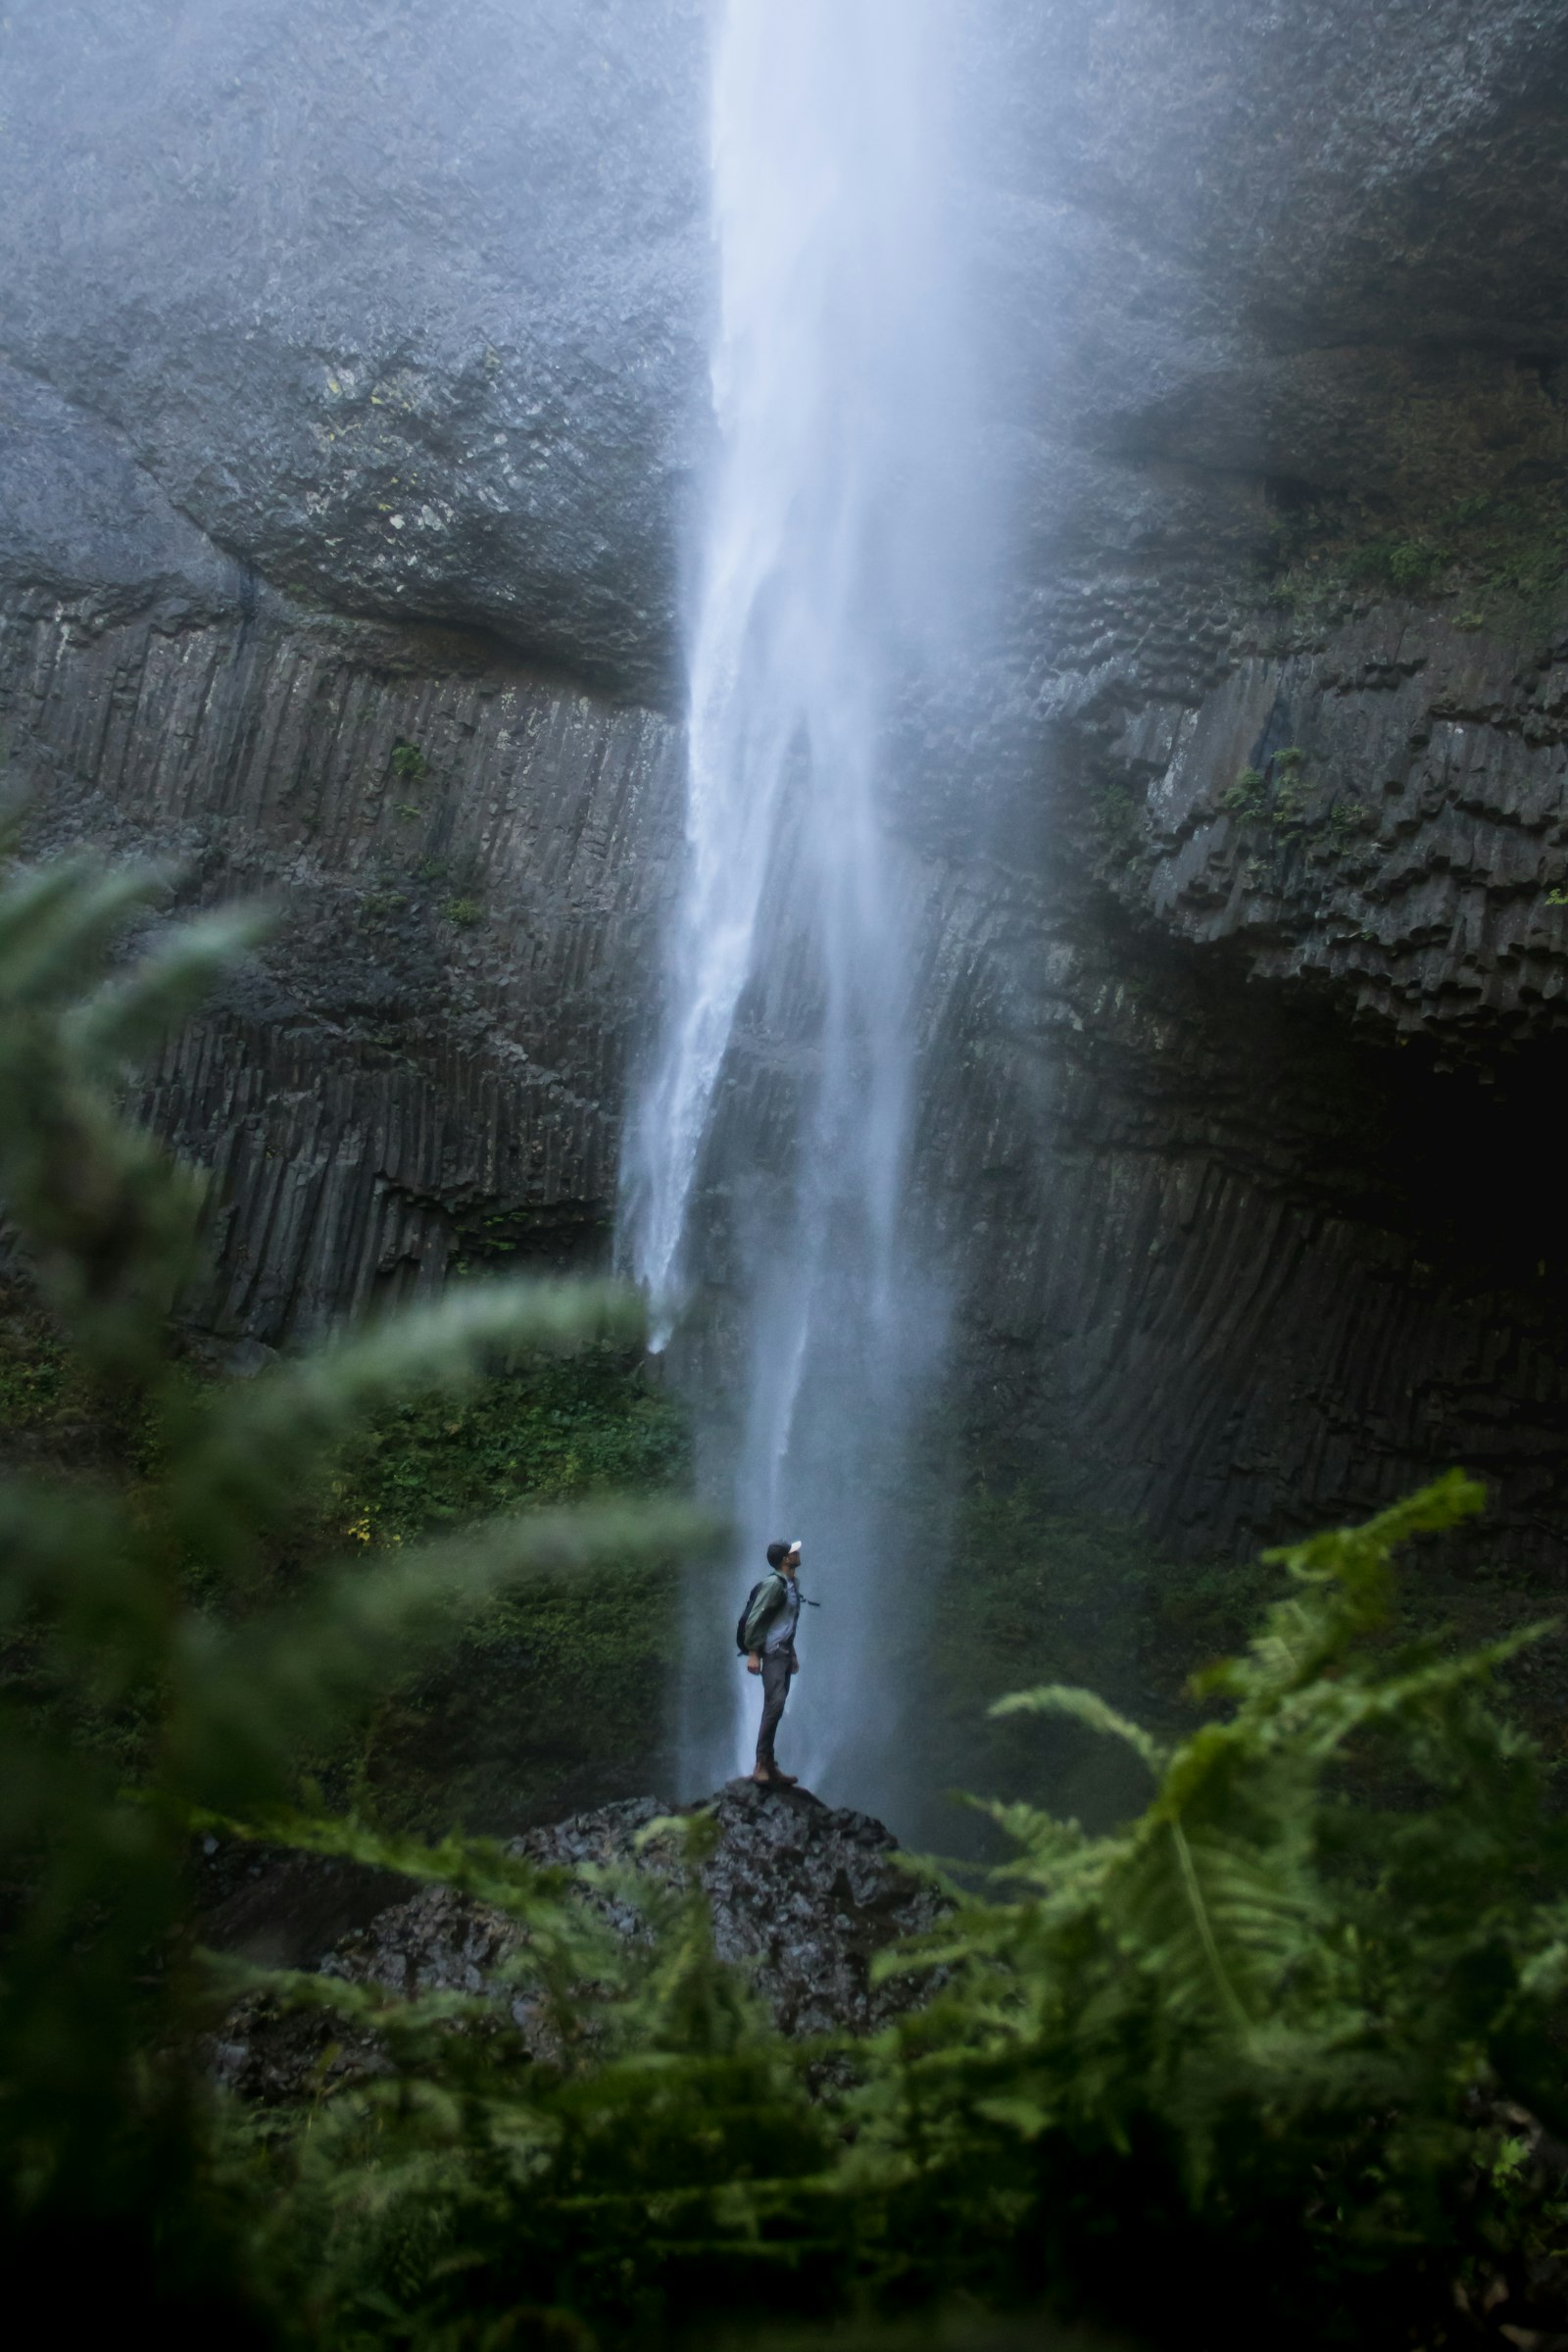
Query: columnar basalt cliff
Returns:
{"type": "Point", "coordinates": [343, 487]}
{"type": "Point", "coordinates": [462, 861]}
{"type": "Point", "coordinates": [463, 855]}
{"type": "Point", "coordinates": [1386, 813]}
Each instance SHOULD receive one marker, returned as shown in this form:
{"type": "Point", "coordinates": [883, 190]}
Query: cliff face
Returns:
{"type": "Point", "coordinates": [464, 856]}
{"type": "Point", "coordinates": [1436, 901]}
{"type": "Point", "coordinates": [353, 384]}
{"type": "Point", "coordinates": [403, 304]}
{"type": "Point", "coordinates": [1291, 1063]}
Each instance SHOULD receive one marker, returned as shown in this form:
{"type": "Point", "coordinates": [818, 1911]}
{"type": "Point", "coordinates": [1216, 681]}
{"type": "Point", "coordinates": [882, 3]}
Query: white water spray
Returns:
{"type": "Point", "coordinates": [785, 1076]}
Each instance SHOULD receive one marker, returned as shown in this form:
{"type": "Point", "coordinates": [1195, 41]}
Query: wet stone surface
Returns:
{"type": "Point", "coordinates": [803, 1896]}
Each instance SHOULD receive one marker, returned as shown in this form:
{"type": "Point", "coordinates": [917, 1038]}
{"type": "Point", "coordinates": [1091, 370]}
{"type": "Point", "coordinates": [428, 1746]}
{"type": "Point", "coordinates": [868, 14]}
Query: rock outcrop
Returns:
{"type": "Point", "coordinates": [402, 307]}
{"type": "Point", "coordinates": [801, 1897]}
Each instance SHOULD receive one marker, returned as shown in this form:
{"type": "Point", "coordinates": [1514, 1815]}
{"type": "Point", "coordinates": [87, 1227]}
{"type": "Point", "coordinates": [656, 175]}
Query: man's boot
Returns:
{"type": "Point", "coordinates": [790, 1779]}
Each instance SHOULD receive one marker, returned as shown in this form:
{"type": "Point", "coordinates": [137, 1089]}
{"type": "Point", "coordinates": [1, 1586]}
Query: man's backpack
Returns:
{"type": "Point", "coordinates": [748, 1634]}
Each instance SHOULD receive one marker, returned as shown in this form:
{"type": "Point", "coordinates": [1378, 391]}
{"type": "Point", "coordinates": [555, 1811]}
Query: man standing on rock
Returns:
{"type": "Point", "coordinates": [771, 1624]}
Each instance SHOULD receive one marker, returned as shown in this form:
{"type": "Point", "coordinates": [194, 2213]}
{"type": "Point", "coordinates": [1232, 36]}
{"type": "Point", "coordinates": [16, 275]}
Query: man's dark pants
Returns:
{"type": "Point", "coordinates": [775, 1690]}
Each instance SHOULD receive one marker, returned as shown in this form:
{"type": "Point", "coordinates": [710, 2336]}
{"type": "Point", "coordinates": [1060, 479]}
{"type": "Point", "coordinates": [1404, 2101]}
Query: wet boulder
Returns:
{"type": "Point", "coordinates": [803, 1896]}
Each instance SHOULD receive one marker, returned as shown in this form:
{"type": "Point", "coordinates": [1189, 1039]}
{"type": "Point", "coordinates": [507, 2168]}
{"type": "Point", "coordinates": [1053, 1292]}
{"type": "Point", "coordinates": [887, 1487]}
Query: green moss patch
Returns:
{"type": "Point", "coordinates": [42, 1395]}
{"type": "Point", "coordinates": [551, 1434]}
{"type": "Point", "coordinates": [1499, 556]}
{"type": "Point", "coordinates": [1036, 1594]}
{"type": "Point", "coordinates": [556, 1694]}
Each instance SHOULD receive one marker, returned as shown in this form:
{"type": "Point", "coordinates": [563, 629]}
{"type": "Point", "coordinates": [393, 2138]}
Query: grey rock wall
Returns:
{"type": "Point", "coordinates": [1223, 1264]}
{"type": "Point", "coordinates": [400, 303]}
{"type": "Point", "coordinates": [1200, 1273]}
{"type": "Point", "coordinates": [407, 304]}
{"type": "Point", "coordinates": [424, 1067]}
{"type": "Point", "coordinates": [1386, 815]}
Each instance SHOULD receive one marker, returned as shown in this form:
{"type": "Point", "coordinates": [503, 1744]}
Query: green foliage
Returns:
{"type": "Point", "coordinates": [1035, 1592]}
{"type": "Point", "coordinates": [465, 912]}
{"type": "Point", "coordinates": [1248, 797]}
{"type": "Point", "coordinates": [378, 905]}
{"type": "Point", "coordinates": [1502, 549]}
{"type": "Point", "coordinates": [1291, 2020]}
{"type": "Point", "coordinates": [532, 1700]}
{"type": "Point", "coordinates": [1119, 820]}
{"type": "Point", "coordinates": [1280, 796]}
{"type": "Point", "coordinates": [524, 1713]}
{"type": "Point", "coordinates": [549, 1431]}
{"type": "Point", "coordinates": [1405, 565]}
{"type": "Point", "coordinates": [1270, 2029]}
{"type": "Point", "coordinates": [136, 1586]}
{"type": "Point", "coordinates": [1038, 1592]}
{"type": "Point", "coordinates": [1257, 2017]}
{"type": "Point", "coordinates": [1275, 792]}
{"type": "Point", "coordinates": [1345, 818]}
{"type": "Point", "coordinates": [668, 2162]}
{"type": "Point", "coordinates": [41, 1390]}
{"type": "Point", "coordinates": [409, 764]}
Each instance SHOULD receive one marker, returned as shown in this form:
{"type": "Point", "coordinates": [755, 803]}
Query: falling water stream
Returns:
{"type": "Point", "coordinates": [778, 1104]}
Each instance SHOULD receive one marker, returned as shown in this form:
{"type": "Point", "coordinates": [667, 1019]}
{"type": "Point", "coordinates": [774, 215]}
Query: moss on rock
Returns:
{"type": "Point", "coordinates": [553, 1697]}
{"type": "Point", "coordinates": [1497, 555]}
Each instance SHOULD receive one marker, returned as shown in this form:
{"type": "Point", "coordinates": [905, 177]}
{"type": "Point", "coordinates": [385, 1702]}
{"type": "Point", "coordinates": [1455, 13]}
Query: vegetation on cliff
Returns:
{"type": "Point", "coordinates": [1280, 2054]}
{"type": "Point", "coordinates": [523, 1715]}
{"type": "Point", "coordinates": [1497, 553]}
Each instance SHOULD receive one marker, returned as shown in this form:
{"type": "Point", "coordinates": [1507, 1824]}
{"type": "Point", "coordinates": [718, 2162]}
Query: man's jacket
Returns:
{"type": "Point", "coordinates": [777, 1602]}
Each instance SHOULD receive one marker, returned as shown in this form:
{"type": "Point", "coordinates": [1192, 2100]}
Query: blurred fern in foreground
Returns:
{"type": "Point", "coordinates": [102, 2112]}
{"type": "Point", "coordinates": [1264, 2026]}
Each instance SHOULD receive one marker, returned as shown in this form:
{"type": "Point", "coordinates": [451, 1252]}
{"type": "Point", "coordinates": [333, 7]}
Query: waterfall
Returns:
{"type": "Point", "coordinates": [767, 1155]}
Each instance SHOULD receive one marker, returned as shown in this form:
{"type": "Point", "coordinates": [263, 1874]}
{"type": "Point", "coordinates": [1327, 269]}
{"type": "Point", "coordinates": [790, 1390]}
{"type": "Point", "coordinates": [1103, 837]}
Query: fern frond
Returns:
{"type": "Point", "coordinates": [478, 1866]}
{"type": "Point", "coordinates": [1088, 1708]}
{"type": "Point", "coordinates": [1445, 1502]}
{"type": "Point", "coordinates": [371, 2006]}
{"type": "Point", "coordinates": [1199, 1904]}
{"type": "Point", "coordinates": [1218, 1920]}
{"type": "Point", "coordinates": [1322, 1717]}
{"type": "Point", "coordinates": [131, 1014]}
{"type": "Point", "coordinates": [245, 1695]}
{"type": "Point", "coordinates": [59, 923]}
{"type": "Point", "coordinates": [262, 1444]}
{"type": "Point", "coordinates": [1344, 1592]}
{"type": "Point", "coordinates": [110, 1220]}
